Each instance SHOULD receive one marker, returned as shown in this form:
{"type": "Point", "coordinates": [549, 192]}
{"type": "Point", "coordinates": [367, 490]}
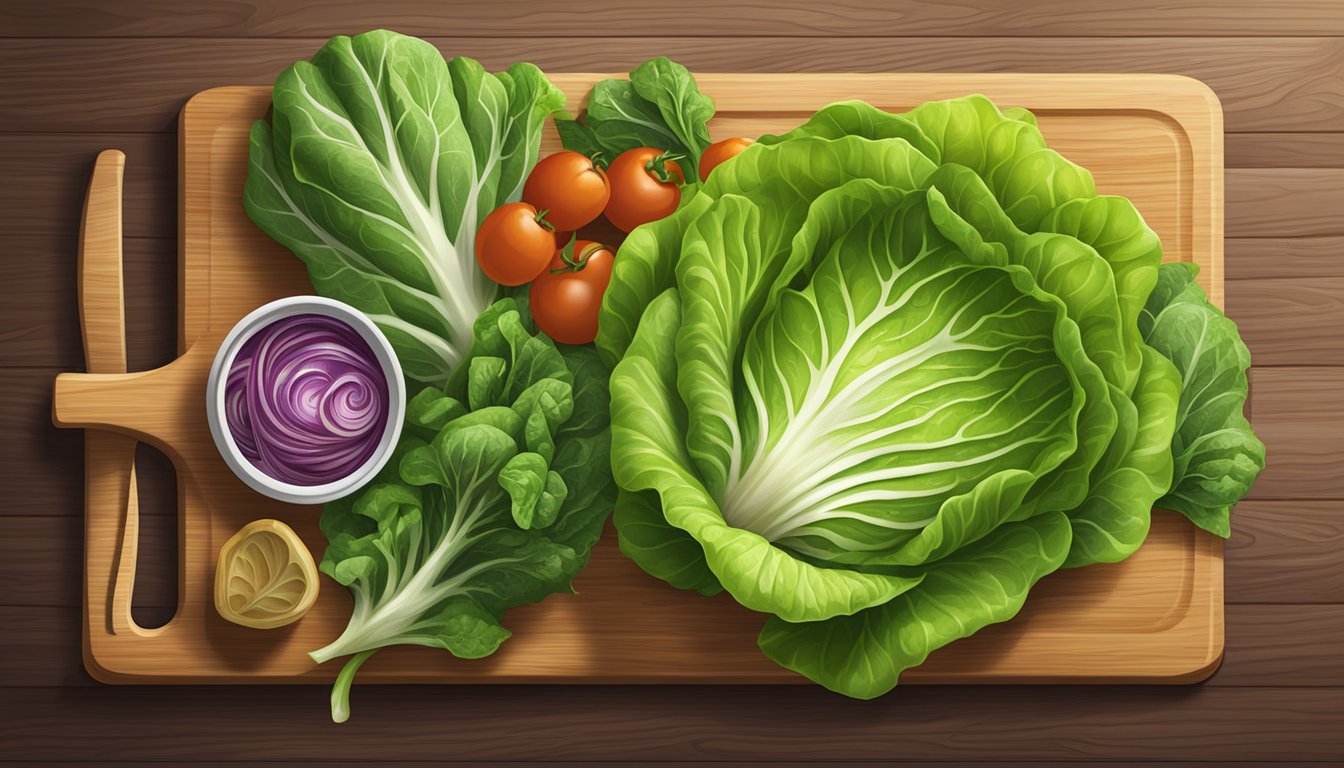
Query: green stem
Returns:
{"type": "Point", "coordinates": [540, 218]}
{"type": "Point", "coordinates": [658, 168]}
{"type": "Point", "coordinates": [340, 690]}
{"type": "Point", "coordinates": [573, 264]}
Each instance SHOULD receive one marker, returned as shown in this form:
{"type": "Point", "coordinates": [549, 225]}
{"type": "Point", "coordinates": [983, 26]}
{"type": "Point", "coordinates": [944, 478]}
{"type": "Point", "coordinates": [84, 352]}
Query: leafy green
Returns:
{"type": "Point", "coordinates": [378, 165]}
{"type": "Point", "coordinates": [1006, 151]}
{"type": "Point", "coordinates": [885, 372]}
{"type": "Point", "coordinates": [986, 583]}
{"type": "Point", "coordinates": [475, 518]}
{"type": "Point", "coordinates": [900, 376]}
{"type": "Point", "coordinates": [913, 435]}
{"type": "Point", "coordinates": [1038, 189]}
{"type": "Point", "coordinates": [647, 454]}
{"type": "Point", "coordinates": [665, 552]}
{"type": "Point", "coordinates": [660, 106]}
{"type": "Point", "coordinates": [1217, 455]}
{"type": "Point", "coordinates": [1112, 521]}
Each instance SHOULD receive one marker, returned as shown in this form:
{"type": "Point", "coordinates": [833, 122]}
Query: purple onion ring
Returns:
{"type": "Point", "coordinates": [306, 400]}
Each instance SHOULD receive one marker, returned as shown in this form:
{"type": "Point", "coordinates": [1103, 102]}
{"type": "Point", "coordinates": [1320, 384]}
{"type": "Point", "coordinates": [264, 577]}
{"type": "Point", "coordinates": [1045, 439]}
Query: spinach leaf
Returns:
{"type": "Point", "coordinates": [660, 106]}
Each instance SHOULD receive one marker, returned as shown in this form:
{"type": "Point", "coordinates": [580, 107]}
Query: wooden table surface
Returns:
{"type": "Point", "coordinates": [77, 76]}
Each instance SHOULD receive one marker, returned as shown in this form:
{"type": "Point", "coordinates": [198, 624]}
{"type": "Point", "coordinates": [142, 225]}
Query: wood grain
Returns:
{"type": "Point", "coordinates": [1274, 645]}
{"type": "Point", "coordinates": [1281, 319]}
{"type": "Point", "coordinates": [1267, 645]}
{"type": "Point", "coordinates": [679, 723]}
{"type": "Point", "coordinates": [1256, 258]}
{"type": "Point", "coordinates": [48, 174]}
{"type": "Point", "coordinates": [1285, 552]}
{"type": "Point", "coordinates": [42, 325]}
{"type": "Point", "coordinates": [1285, 202]}
{"type": "Point", "coordinates": [29, 544]}
{"type": "Point", "coordinates": [1285, 150]}
{"type": "Point", "coordinates": [1299, 415]}
{"type": "Point", "coordinates": [44, 652]}
{"type": "Point", "coordinates": [448, 760]}
{"type": "Point", "coordinates": [109, 457]}
{"type": "Point", "coordinates": [100, 290]}
{"type": "Point", "coordinates": [1267, 84]}
{"type": "Point", "coordinates": [44, 197]}
{"type": "Point", "coordinates": [309, 18]}
{"type": "Point", "coordinates": [43, 464]}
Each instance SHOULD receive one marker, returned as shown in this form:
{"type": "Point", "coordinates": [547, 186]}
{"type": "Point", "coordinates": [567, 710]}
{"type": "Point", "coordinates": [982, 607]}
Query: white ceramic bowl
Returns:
{"type": "Point", "coordinates": [214, 399]}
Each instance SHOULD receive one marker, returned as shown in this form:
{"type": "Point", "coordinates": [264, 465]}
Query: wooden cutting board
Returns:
{"type": "Point", "coordinates": [1156, 618]}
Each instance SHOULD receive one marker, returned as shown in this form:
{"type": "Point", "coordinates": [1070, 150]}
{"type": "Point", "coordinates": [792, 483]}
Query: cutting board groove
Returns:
{"type": "Point", "coordinates": [1157, 617]}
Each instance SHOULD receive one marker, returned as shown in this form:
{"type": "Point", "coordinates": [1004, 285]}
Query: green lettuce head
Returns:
{"type": "Point", "coordinates": [884, 373]}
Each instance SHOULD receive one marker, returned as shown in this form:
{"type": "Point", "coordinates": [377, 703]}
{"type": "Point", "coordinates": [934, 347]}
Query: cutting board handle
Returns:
{"type": "Point", "coordinates": [149, 406]}
{"type": "Point", "coordinates": [111, 532]}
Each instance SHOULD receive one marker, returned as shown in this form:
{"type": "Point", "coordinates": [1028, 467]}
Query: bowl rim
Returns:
{"type": "Point", "coordinates": [245, 329]}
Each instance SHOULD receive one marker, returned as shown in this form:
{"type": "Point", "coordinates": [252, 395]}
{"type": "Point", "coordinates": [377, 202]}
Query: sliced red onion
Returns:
{"type": "Point", "coordinates": [306, 400]}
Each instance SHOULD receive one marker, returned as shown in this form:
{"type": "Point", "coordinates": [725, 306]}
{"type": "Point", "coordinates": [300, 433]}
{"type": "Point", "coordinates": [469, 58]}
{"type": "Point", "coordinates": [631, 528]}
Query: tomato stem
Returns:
{"type": "Point", "coordinates": [567, 255]}
{"type": "Point", "coordinates": [573, 264]}
{"type": "Point", "coordinates": [540, 218]}
{"type": "Point", "coordinates": [595, 168]}
{"type": "Point", "coordinates": [658, 167]}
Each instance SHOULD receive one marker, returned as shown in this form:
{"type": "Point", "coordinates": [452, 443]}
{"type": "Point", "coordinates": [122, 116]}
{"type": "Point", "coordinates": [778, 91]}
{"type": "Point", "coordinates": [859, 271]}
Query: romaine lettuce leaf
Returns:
{"type": "Point", "coordinates": [378, 165]}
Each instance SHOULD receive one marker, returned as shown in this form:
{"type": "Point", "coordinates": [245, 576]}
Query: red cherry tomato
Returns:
{"type": "Point", "coordinates": [718, 152]}
{"type": "Point", "coordinates": [569, 188]}
{"type": "Point", "coordinates": [514, 244]}
{"type": "Point", "coordinates": [645, 186]}
{"type": "Point", "coordinates": [565, 298]}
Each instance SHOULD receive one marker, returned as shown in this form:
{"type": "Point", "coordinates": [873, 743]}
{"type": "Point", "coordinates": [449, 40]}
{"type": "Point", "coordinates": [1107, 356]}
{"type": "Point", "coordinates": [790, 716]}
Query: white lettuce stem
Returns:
{"type": "Point", "coordinates": [385, 623]}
